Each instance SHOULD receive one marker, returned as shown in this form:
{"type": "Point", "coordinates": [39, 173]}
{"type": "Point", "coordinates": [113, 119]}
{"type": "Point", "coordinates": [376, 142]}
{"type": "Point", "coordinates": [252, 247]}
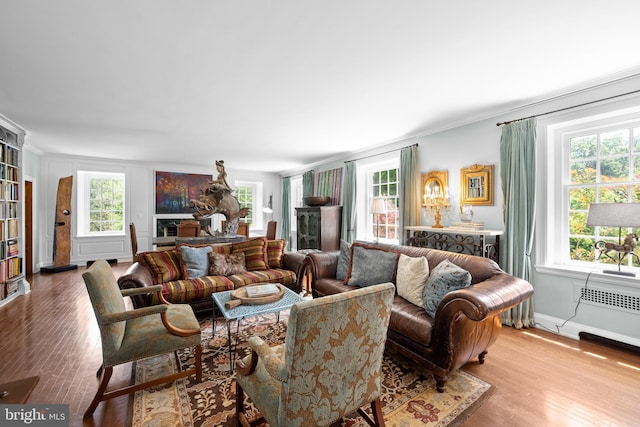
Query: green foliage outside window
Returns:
{"type": "Point", "coordinates": [244, 194]}
{"type": "Point", "coordinates": [106, 205]}
{"type": "Point", "coordinates": [604, 168]}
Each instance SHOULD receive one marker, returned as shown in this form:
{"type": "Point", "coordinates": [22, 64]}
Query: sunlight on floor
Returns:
{"type": "Point", "coordinates": [588, 353]}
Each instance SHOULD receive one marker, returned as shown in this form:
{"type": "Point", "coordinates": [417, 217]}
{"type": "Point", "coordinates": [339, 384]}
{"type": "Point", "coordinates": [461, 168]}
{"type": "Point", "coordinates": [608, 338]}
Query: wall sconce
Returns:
{"type": "Point", "coordinates": [378, 206]}
{"type": "Point", "coordinates": [616, 215]}
{"type": "Point", "coordinates": [269, 208]}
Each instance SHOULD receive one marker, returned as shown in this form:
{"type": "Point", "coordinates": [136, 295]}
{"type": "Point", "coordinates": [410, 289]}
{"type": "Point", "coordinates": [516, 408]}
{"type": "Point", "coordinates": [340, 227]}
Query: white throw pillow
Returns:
{"type": "Point", "coordinates": [411, 276]}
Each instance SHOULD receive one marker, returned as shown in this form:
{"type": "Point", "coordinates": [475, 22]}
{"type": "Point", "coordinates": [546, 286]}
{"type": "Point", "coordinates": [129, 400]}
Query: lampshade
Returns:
{"type": "Point", "coordinates": [614, 214]}
{"type": "Point", "coordinates": [378, 205]}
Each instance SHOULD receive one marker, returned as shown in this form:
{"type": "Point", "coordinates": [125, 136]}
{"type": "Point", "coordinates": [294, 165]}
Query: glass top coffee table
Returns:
{"type": "Point", "coordinates": [243, 311]}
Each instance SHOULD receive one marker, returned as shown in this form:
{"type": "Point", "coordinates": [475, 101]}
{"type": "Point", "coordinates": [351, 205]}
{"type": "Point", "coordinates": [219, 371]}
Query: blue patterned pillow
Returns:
{"type": "Point", "coordinates": [196, 260]}
{"type": "Point", "coordinates": [444, 278]}
{"type": "Point", "coordinates": [371, 265]}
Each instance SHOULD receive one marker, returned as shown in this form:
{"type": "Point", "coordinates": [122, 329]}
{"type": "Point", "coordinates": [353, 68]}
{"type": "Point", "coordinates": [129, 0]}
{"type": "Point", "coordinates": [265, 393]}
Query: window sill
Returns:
{"type": "Point", "coordinates": [595, 274]}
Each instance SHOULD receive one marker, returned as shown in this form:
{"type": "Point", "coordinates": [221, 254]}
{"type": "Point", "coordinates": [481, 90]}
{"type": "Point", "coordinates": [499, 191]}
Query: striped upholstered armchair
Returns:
{"type": "Point", "coordinates": [329, 366]}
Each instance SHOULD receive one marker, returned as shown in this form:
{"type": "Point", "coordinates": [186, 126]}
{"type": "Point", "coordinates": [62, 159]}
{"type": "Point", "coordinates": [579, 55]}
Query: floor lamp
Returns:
{"type": "Point", "coordinates": [378, 206]}
{"type": "Point", "coordinates": [621, 215]}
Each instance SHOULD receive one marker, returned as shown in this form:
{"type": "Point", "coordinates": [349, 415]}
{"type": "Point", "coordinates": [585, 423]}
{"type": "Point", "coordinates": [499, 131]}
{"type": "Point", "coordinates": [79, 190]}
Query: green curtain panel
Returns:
{"type": "Point", "coordinates": [349, 202]}
{"type": "Point", "coordinates": [308, 180]}
{"type": "Point", "coordinates": [286, 208]}
{"type": "Point", "coordinates": [517, 171]}
{"type": "Point", "coordinates": [409, 190]}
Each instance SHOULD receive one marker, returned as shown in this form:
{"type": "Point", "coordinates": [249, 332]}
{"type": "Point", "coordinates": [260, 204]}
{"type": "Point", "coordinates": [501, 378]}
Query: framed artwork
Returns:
{"type": "Point", "coordinates": [174, 191]}
{"type": "Point", "coordinates": [476, 185]}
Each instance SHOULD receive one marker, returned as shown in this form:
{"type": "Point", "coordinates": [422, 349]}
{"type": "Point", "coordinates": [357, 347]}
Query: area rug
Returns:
{"type": "Point", "coordinates": [409, 396]}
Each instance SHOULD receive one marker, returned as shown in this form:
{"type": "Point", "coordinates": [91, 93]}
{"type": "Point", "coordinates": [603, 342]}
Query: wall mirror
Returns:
{"type": "Point", "coordinates": [432, 183]}
{"type": "Point", "coordinates": [476, 185]}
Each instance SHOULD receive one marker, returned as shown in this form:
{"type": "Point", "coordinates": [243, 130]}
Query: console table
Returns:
{"type": "Point", "coordinates": [460, 240]}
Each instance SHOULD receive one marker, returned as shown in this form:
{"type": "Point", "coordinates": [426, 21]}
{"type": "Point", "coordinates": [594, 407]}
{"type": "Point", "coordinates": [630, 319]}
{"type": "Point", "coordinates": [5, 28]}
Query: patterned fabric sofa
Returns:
{"type": "Point", "coordinates": [432, 323]}
{"type": "Point", "coordinates": [191, 273]}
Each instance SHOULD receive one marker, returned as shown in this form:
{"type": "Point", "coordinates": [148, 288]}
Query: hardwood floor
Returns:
{"type": "Point", "coordinates": [539, 378]}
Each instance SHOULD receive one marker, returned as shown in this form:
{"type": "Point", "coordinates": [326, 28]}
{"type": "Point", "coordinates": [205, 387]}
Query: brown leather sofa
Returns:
{"type": "Point", "coordinates": [163, 267]}
{"type": "Point", "coordinates": [466, 323]}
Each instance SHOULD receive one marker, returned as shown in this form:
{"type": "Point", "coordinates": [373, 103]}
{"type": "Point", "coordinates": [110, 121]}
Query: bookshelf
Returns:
{"type": "Point", "coordinates": [12, 279]}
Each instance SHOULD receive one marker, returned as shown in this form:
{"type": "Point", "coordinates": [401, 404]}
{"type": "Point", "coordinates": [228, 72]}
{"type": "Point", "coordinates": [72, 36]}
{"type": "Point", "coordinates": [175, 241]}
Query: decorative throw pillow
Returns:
{"type": "Point", "coordinates": [196, 260]}
{"type": "Point", "coordinates": [371, 265]}
{"type": "Point", "coordinates": [255, 253]}
{"type": "Point", "coordinates": [226, 265]}
{"type": "Point", "coordinates": [444, 278]}
{"type": "Point", "coordinates": [411, 277]}
{"type": "Point", "coordinates": [275, 252]}
{"type": "Point", "coordinates": [163, 265]}
{"type": "Point", "coordinates": [343, 260]}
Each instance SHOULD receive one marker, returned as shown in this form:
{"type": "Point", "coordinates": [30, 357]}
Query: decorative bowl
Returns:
{"type": "Point", "coordinates": [316, 200]}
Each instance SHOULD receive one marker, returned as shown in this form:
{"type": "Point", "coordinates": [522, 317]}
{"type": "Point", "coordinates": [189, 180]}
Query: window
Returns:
{"type": "Point", "coordinates": [249, 195]}
{"type": "Point", "coordinates": [590, 156]}
{"type": "Point", "coordinates": [380, 179]}
{"type": "Point", "coordinates": [604, 166]}
{"type": "Point", "coordinates": [100, 203]}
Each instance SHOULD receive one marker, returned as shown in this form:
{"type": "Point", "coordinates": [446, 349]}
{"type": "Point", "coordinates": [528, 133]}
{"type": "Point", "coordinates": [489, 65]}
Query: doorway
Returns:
{"type": "Point", "coordinates": [28, 228]}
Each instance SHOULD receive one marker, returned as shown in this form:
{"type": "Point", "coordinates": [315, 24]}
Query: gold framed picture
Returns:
{"type": "Point", "coordinates": [476, 185]}
{"type": "Point", "coordinates": [434, 182]}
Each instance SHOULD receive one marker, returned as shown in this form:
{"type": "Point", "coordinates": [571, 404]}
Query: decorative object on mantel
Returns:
{"type": "Point", "coordinates": [616, 215]}
{"type": "Point", "coordinates": [476, 185]}
{"type": "Point", "coordinates": [466, 213]}
{"type": "Point", "coordinates": [314, 201]}
{"type": "Point", "coordinates": [435, 194]}
{"type": "Point", "coordinates": [217, 198]}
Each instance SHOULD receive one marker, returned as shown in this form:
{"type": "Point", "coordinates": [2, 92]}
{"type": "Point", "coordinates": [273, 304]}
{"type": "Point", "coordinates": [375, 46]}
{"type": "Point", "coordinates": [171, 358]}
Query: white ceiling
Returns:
{"type": "Point", "coordinates": [276, 85]}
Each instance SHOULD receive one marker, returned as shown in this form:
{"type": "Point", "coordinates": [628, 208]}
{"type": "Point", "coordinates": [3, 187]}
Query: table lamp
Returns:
{"type": "Point", "coordinates": [614, 215]}
{"type": "Point", "coordinates": [378, 206]}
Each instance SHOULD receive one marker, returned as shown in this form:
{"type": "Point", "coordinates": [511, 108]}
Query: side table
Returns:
{"type": "Point", "coordinates": [243, 311]}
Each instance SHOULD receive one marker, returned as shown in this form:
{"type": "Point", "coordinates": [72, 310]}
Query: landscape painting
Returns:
{"type": "Point", "coordinates": [174, 190]}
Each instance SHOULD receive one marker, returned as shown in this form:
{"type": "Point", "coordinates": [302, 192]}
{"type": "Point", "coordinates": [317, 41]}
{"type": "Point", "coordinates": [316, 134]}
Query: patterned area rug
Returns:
{"type": "Point", "coordinates": [409, 395]}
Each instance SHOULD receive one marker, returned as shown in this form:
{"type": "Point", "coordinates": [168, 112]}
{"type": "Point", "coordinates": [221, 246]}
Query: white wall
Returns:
{"type": "Point", "coordinates": [139, 205]}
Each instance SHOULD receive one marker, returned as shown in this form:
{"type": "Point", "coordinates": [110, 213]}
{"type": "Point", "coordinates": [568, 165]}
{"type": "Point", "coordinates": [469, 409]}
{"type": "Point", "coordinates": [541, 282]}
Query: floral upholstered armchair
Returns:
{"type": "Point", "coordinates": [329, 366]}
{"type": "Point", "coordinates": [129, 335]}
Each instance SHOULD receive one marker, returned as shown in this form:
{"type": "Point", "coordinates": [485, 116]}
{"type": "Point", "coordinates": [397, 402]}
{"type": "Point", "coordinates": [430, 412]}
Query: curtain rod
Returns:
{"type": "Point", "coordinates": [568, 108]}
{"type": "Point", "coordinates": [380, 154]}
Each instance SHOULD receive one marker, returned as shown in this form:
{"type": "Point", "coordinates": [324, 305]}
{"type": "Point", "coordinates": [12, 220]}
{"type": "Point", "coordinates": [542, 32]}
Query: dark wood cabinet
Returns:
{"type": "Point", "coordinates": [319, 227]}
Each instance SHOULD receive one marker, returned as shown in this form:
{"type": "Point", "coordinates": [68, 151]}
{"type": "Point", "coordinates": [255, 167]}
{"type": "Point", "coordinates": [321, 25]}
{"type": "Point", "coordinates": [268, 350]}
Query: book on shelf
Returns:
{"type": "Point", "coordinates": [262, 290]}
{"type": "Point", "coordinates": [12, 248]}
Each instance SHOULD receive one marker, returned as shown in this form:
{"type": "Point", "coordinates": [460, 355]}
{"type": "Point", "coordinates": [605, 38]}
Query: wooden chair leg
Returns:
{"type": "Point", "coordinates": [106, 376]}
{"type": "Point", "coordinates": [376, 409]}
{"type": "Point", "coordinates": [239, 402]}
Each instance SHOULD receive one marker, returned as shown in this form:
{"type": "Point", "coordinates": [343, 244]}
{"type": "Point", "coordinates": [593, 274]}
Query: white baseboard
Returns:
{"type": "Point", "coordinates": [572, 329]}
